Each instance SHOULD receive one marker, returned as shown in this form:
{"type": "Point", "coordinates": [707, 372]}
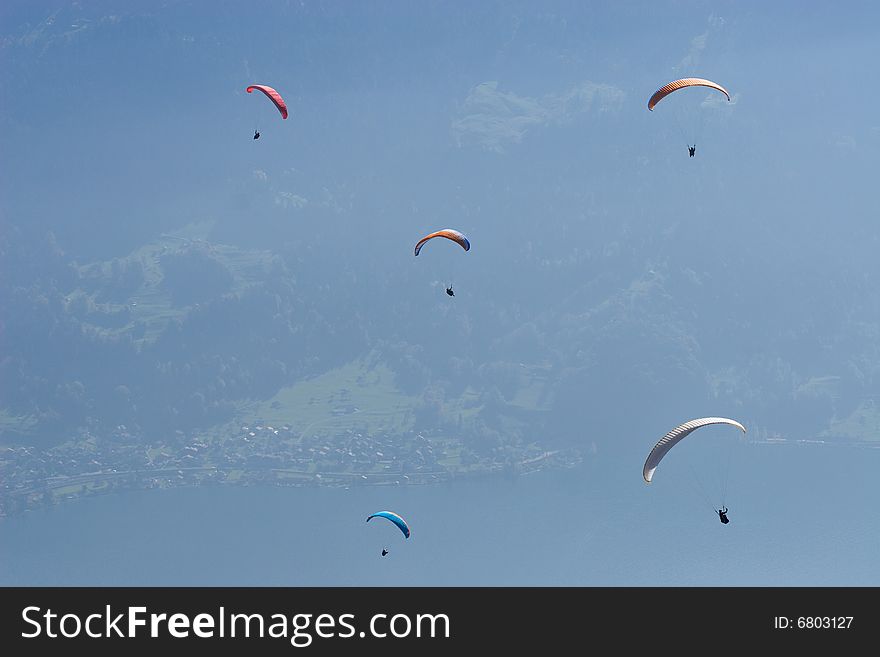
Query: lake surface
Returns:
{"type": "Point", "coordinates": [800, 516]}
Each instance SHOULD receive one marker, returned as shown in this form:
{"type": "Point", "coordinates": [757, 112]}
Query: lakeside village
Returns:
{"type": "Point", "coordinates": [256, 454]}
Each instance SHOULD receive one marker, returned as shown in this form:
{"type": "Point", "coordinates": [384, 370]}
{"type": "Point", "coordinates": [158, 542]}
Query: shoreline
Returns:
{"type": "Point", "coordinates": [47, 495]}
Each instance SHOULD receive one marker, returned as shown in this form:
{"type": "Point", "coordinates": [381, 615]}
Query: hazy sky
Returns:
{"type": "Point", "coordinates": [125, 116]}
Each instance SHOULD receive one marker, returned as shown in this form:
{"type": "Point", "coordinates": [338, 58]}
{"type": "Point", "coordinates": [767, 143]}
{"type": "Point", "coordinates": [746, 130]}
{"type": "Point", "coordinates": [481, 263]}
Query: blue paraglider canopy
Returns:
{"type": "Point", "coordinates": [393, 517]}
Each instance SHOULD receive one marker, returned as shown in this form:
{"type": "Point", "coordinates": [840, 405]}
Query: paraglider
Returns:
{"type": "Point", "coordinates": [675, 85]}
{"type": "Point", "coordinates": [384, 551]}
{"type": "Point", "coordinates": [672, 438]}
{"type": "Point", "coordinates": [393, 517]}
{"type": "Point", "coordinates": [722, 514]}
{"type": "Point", "coordinates": [448, 233]}
{"type": "Point", "coordinates": [273, 95]}
{"type": "Point", "coordinates": [689, 117]}
{"type": "Point", "coordinates": [256, 134]}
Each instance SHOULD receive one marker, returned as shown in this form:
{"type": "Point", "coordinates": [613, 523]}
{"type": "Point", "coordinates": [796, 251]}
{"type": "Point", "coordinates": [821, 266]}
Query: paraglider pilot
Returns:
{"type": "Point", "coordinates": [722, 514]}
{"type": "Point", "coordinates": [449, 291]}
{"type": "Point", "coordinates": [256, 134]}
{"type": "Point", "coordinates": [692, 150]}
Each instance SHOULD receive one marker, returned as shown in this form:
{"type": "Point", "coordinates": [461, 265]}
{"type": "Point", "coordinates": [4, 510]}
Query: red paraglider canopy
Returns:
{"type": "Point", "coordinates": [273, 95]}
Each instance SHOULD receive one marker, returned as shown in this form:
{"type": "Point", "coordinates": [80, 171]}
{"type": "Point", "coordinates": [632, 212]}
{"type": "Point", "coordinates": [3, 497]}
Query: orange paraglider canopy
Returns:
{"type": "Point", "coordinates": [675, 85]}
{"type": "Point", "coordinates": [448, 233]}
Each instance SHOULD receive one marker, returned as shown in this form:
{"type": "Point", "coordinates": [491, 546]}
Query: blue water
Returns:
{"type": "Point", "coordinates": [800, 516]}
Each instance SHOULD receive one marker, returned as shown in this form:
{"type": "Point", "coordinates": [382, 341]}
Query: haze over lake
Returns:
{"type": "Point", "coordinates": [578, 527]}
